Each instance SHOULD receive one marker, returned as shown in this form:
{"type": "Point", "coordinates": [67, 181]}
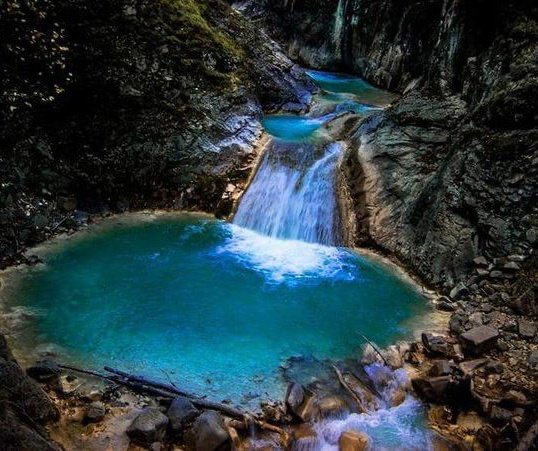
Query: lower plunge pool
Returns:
{"type": "Point", "coordinates": [217, 308]}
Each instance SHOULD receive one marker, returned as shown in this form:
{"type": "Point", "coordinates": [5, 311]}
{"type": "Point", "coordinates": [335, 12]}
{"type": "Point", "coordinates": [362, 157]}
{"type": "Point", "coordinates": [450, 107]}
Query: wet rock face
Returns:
{"type": "Point", "coordinates": [24, 406]}
{"type": "Point", "coordinates": [127, 104]}
{"type": "Point", "coordinates": [449, 172]}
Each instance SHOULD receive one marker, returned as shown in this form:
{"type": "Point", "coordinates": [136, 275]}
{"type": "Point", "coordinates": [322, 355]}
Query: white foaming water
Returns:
{"type": "Point", "coordinates": [294, 202]}
{"type": "Point", "coordinates": [338, 27]}
{"type": "Point", "coordinates": [395, 428]}
{"type": "Point", "coordinates": [389, 428]}
{"type": "Point", "coordinates": [287, 260]}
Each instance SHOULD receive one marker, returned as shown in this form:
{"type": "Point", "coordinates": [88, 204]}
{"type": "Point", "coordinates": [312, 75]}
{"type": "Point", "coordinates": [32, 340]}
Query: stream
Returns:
{"type": "Point", "coordinates": [236, 311]}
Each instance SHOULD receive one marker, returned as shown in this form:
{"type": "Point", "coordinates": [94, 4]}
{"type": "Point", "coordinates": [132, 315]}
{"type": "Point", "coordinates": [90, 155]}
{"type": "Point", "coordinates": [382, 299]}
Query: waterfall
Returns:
{"type": "Point", "coordinates": [293, 194]}
{"type": "Point", "coordinates": [339, 25]}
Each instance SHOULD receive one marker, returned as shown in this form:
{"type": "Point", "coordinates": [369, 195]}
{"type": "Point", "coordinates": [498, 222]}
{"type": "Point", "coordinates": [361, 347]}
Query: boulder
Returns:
{"type": "Point", "coordinates": [329, 407]}
{"type": "Point", "coordinates": [527, 328]}
{"type": "Point", "coordinates": [436, 344]}
{"type": "Point", "coordinates": [304, 438]}
{"type": "Point", "coordinates": [433, 389]}
{"type": "Point", "coordinates": [393, 357]}
{"type": "Point", "coordinates": [470, 366]}
{"type": "Point", "coordinates": [533, 359]}
{"type": "Point", "coordinates": [95, 413]}
{"type": "Point", "coordinates": [440, 368]}
{"type": "Point", "coordinates": [481, 262]}
{"type": "Point", "coordinates": [459, 291]}
{"type": "Point", "coordinates": [353, 441]}
{"type": "Point", "coordinates": [457, 323]}
{"type": "Point", "coordinates": [44, 371]}
{"type": "Point", "coordinates": [479, 339]}
{"type": "Point", "coordinates": [180, 413]}
{"type": "Point", "coordinates": [445, 304]}
{"type": "Point", "coordinates": [24, 393]}
{"type": "Point", "coordinates": [148, 427]}
{"type": "Point", "coordinates": [500, 416]}
{"type": "Point", "coordinates": [210, 433]}
{"type": "Point", "coordinates": [5, 351]}
{"type": "Point", "coordinates": [295, 397]}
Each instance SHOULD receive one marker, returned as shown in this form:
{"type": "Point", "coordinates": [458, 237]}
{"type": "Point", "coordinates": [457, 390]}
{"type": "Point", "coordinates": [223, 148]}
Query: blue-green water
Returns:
{"type": "Point", "coordinates": [293, 128]}
{"type": "Point", "coordinates": [341, 93]}
{"type": "Point", "coordinates": [216, 307]}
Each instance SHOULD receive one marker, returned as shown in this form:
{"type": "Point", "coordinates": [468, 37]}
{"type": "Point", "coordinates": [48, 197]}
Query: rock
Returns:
{"type": "Point", "coordinates": [471, 422]}
{"type": "Point", "coordinates": [481, 262]}
{"type": "Point", "coordinates": [148, 427]}
{"type": "Point", "coordinates": [533, 359]}
{"type": "Point", "coordinates": [304, 438]}
{"type": "Point", "coordinates": [433, 389]}
{"type": "Point", "coordinates": [436, 344]}
{"type": "Point", "coordinates": [67, 203]}
{"type": "Point", "coordinates": [397, 397]}
{"type": "Point", "coordinates": [514, 397]}
{"type": "Point", "coordinates": [457, 323]}
{"type": "Point", "coordinates": [476, 319]}
{"type": "Point", "coordinates": [210, 433]}
{"type": "Point", "coordinates": [23, 392]}
{"type": "Point", "coordinates": [180, 413]}
{"type": "Point", "coordinates": [295, 397]}
{"type": "Point", "coordinates": [527, 328]}
{"type": "Point", "coordinates": [511, 266]}
{"type": "Point", "coordinates": [479, 339]}
{"type": "Point", "coordinates": [5, 351]}
{"type": "Point", "coordinates": [499, 415]}
{"type": "Point", "coordinates": [44, 371]}
{"type": "Point", "coordinates": [459, 291]}
{"type": "Point", "coordinates": [494, 367]}
{"type": "Point", "coordinates": [329, 406]}
{"type": "Point", "coordinates": [95, 412]}
{"type": "Point", "coordinates": [496, 274]}
{"type": "Point", "coordinates": [470, 366]}
{"type": "Point", "coordinates": [440, 368]}
{"type": "Point", "coordinates": [353, 441]}
{"type": "Point", "coordinates": [393, 357]}
{"type": "Point", "coordinates": [445, 305]}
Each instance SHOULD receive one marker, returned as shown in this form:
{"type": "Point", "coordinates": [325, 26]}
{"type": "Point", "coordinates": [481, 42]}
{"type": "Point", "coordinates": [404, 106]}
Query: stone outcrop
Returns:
{"type": "Point", "coordinates": [128, 104]}
{"type": "Point", "coordinates": [24, 407]}
{"type": "Point", "coordinates": [449, 172]}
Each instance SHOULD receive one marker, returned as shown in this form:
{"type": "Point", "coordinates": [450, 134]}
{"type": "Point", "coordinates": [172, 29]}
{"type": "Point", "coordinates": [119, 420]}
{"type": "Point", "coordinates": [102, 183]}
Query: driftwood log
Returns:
{"type": "Point", "coordinates": [155, 388]}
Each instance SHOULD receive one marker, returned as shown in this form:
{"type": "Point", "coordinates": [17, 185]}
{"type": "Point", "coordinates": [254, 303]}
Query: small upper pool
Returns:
{"type": "Point", "coordinates": [339, 87]}
{"type": "Point", "coordinates": [294, 128]}
{"type": "Point", "coordinates": [215, 307]}
{"type": "Point", "coordinates": [340, 94]}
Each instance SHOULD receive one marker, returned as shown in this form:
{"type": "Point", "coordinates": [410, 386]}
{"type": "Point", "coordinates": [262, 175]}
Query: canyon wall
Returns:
{"type": "Point", "coordinates": [128, 104]}
{"type": "Point", "coordinates": [450, 171]}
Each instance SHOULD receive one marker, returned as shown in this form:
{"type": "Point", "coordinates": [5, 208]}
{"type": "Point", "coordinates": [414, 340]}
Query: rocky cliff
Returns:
{"type": "Point", "coordinates": [126, 104]}
{"type": "Point", "coordinates": [450, 171]}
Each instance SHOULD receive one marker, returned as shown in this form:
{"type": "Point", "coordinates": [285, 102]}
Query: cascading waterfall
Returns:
{"type": "Point", "coordinates": [293, 194]}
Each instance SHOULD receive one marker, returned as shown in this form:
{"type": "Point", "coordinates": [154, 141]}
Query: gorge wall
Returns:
{"type": "Point", "coordinates": [128, 104]}
{"type": "Point", "coordinates": [450, 171]}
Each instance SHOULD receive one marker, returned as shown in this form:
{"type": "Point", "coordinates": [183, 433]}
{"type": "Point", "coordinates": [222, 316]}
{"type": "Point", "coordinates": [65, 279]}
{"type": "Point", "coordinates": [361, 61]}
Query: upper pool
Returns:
{"type": "Point", "coordinates": [216, 307]}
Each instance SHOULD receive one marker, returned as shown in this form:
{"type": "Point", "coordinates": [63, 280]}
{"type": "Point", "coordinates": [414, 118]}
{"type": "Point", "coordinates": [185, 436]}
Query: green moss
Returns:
{"type": "Point", "coordinates": [191, 15]}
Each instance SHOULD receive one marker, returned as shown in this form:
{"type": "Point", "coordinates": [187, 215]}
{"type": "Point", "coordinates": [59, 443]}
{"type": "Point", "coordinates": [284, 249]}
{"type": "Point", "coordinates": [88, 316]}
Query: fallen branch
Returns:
{"type": "Point", "coordinates": [161, 389]}
{"type": "Point", "coordinates": [82, 371]}
{"type": "Point", "coordinates": [155, 388]}
{"type": "Point", "coordinates": [150, 383]}
{"type": "Point", "coordinates": [348, 389]}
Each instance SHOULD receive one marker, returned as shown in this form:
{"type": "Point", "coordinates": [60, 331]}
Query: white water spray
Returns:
{"type": "Point", "coordinates": [293, 199]}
